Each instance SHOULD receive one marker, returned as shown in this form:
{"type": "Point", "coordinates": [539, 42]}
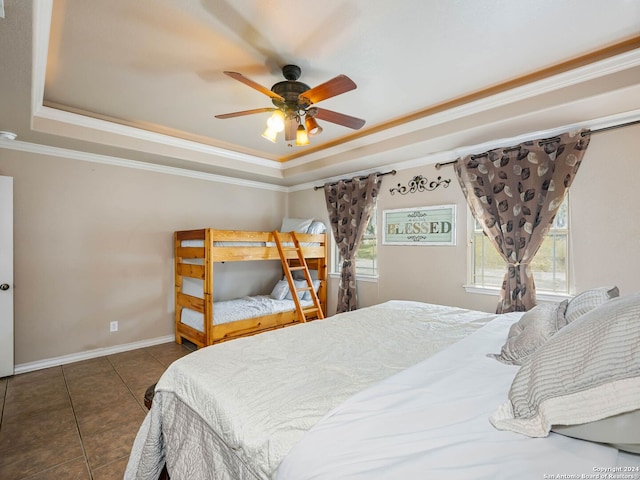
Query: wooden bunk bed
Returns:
{"type": "Point", "coordinates": [215, 246]}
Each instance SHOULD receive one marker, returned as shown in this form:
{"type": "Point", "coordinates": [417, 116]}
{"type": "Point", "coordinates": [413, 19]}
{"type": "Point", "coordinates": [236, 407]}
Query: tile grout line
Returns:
{"type": "Point", "coordinates": [163, 358]}
{"type": "Point", "coordinates": [4, 400]}
{"type": "Point", "coordinates": [75, 419]}
{"type": "Point", "coordinates": [115, 369]}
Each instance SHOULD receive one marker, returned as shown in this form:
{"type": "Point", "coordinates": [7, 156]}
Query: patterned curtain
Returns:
{"type": "Point", "coordinates": [515, 193]}
{"type": "Point", "coordinates": [350, 203]}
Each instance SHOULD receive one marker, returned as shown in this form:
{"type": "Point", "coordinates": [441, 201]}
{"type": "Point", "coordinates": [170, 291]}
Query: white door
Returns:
{"type": "Point", "coordinates": [6, 276]}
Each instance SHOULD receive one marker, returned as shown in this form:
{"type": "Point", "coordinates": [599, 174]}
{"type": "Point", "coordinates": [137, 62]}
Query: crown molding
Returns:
{"type": "Point", "coordinates": [450, 155]}
{"type": "Point", "coordinates": [135, 164]}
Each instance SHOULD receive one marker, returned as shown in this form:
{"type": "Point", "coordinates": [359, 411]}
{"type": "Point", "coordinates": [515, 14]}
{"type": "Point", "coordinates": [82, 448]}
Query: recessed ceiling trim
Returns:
{"type": "Point", "coordinates": [442, 115]}
{"type": "Point", "coordinates": [42, 12]}
{"type": "Point", "coordinates": [72, 124]}
{"type": "Point", "coordinates": [225, 149]}
{"type": "Point", "coordinates": [618, 56]}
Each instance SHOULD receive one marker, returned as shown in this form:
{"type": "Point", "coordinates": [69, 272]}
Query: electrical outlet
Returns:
{"type": "Point", "coordinates": [113, 326]}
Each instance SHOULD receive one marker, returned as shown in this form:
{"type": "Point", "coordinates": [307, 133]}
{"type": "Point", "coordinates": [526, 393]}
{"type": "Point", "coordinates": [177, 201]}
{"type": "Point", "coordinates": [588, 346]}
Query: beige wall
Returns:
{"type": "Point", "coordinates": [93, 244]}
{"type": "Point", "coordinates": [604, 224]}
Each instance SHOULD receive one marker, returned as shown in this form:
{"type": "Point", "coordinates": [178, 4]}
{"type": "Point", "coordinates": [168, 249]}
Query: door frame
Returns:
{"type": "Point", "coordinates": [6, 277]}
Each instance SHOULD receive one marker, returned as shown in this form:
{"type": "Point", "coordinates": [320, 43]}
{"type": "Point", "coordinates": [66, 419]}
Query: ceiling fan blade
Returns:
{"type": "Point", "coordinates": [331, 88]}
{"type": "Point", "coordinates": [339, 118]}
{"type": "Point", "coordinates": [290, 127]}
{"type": "Point", "coordinates": [245, 112]}
{"type": "Point", "coordinates": [255, 85]}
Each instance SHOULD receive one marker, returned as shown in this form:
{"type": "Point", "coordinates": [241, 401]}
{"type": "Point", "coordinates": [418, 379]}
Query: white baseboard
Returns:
{"type": "Point", "coordinates": [98, 352]}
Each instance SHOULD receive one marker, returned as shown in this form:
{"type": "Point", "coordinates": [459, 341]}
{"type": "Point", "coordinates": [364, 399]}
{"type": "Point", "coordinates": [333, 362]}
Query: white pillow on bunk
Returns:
{"type": "Point", "coordinates": [298, 284]}
{"type": "Point", "coordinates": [281, 290]}
{"type": "Point", "coordinates": [316, 287]}
{"type": "Point", "coordinates": [316, 227]}
{"type": "Point", "coordinates": [300, 225]}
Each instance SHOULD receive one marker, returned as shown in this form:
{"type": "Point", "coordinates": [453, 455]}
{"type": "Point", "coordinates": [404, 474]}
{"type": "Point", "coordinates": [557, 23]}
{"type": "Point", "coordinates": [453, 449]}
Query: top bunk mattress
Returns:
{"type": "Point", "coordinates": [297, 225]}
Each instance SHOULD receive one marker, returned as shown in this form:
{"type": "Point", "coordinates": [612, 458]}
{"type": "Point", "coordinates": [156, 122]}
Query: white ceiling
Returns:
{"type": "Point", "coordinates": [143, 79]}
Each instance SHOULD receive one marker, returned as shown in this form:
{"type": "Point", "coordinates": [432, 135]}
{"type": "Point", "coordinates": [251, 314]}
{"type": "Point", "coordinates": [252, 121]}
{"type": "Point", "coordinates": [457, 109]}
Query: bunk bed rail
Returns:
{"type": "Point", "coordinates": [239, 246]}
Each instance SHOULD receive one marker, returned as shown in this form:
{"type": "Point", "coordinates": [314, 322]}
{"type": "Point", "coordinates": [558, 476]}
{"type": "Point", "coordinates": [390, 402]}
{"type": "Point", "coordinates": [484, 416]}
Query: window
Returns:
{"type": "Point", "coordinates": [367, 256]}
{"type": "Point", "coordinates": [550, 265]}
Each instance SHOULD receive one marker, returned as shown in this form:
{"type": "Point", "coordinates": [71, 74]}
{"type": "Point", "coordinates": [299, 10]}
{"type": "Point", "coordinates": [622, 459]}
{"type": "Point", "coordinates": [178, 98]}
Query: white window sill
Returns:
{"type": "Point", "coordinates": [359, 278]}
{"type": "Point", "coordinates": [544, 296]}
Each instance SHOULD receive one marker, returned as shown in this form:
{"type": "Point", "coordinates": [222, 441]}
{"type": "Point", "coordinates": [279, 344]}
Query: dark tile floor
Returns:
{"type": "Point", "coordinates": [78, 421]}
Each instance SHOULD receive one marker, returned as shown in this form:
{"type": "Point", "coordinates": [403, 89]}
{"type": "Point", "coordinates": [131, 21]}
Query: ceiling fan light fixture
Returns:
{"type": "Point", "coordinates": [312, 126]}
{"type": "Point", "coordinates": [293, 101]}
{"type": "Point", "coordinates": [301, 136]}
{"type": "Point", "coordinates": [276, 121]}
{"type": "Point", "coordinates": [270, 134]}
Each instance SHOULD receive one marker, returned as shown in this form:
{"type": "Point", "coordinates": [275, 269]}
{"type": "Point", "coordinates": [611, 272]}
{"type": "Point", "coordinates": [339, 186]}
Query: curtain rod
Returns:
{"type": "Point", "coordinates": [392, 172]}
{"type": "Point", "coordinates": [591, 132]}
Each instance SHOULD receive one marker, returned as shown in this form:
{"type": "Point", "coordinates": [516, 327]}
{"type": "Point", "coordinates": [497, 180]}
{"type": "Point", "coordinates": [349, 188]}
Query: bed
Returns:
{"type": "Point", "coordinates": [202, 321]}
{"type": "Point", "coordinates": [398, 390]}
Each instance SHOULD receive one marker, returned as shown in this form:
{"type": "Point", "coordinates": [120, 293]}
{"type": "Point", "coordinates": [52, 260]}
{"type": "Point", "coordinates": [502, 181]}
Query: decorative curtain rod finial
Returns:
{"type": "Point", "coordinates": [439, 165]}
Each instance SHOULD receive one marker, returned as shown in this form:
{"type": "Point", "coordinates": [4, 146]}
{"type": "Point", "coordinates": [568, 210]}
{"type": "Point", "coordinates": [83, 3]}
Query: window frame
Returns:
{"type": "Point", "coordinates": [335, 254]}
{"type": "Point", "coordinates": [541, 294]}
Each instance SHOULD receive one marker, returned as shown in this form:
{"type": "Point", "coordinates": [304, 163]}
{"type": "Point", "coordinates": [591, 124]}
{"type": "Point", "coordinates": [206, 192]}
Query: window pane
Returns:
{"type": "Point", "coordinates": [489, 265]}
{"type": "Point", "coordinates": [562, 217]}
{"type": "Point", "coordinates": [367, 255]}
{"type": "Point", "coordinates": [550, 265]}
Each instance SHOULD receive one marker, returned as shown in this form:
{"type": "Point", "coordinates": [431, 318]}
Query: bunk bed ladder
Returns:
{"type": "Point", "coordinates": [300, 265]}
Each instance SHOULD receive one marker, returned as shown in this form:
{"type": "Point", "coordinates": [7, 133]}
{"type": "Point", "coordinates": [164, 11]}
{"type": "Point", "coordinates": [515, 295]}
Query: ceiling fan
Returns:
{"type": "Point", "coordinates": [294, 108]}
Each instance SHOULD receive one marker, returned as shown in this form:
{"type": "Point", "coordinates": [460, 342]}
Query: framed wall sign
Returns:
{"type": "Point", "coordinates": [420, 226]}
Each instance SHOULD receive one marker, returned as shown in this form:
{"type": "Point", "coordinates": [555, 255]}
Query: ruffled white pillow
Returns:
{"type": "Point", "coordinates": [588, 300]}
{"type": "Point", "coordinates": [531, 332]}
{"type": "Point", "coordinates": [588, 371]}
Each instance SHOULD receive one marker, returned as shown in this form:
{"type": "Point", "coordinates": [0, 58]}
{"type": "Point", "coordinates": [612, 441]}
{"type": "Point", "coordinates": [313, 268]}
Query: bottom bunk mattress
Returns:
{"type": "Point", "coordinates": [234, 410]}
{"type": "Point", "coordinates": [240, 309]}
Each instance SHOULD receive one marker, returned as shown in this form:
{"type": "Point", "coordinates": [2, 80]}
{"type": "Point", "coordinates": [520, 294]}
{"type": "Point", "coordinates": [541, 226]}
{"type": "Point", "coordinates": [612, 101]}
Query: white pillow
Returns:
{"type": "Point", "coordinates": [298, 284]}
{"type": "Point", "coordinates": [300, 225]}
{"type": "Point", "coordinates": [316, 287]}
{"type": "Point", "coordinates": [280, 290]}
{"type": "Point", "coordinates": [317, 227]}
{"type": "Point", "coordinates": [532, 331]}
{"type": "Point", "coordinates": [621, 431]}
{"type": "Point", "coordinates": [588, 300]}
{"type": "Point", "coordinates": [588, 371]}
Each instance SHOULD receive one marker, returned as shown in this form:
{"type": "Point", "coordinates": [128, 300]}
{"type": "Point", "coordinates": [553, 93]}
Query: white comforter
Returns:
{"type": "Point", "coordinates": [431, 421]}
{"type": "Point", "coordinates": [234, 410]}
